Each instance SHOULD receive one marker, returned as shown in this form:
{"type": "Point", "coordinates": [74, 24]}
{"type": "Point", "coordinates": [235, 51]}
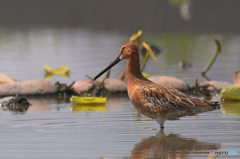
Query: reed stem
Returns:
{"type": "Point", "coordinates": [218, 51]}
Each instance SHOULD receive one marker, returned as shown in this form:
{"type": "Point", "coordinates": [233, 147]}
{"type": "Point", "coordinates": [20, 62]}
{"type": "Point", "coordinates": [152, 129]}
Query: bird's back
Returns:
{"type": "Point", "coordinates": [154, 100]}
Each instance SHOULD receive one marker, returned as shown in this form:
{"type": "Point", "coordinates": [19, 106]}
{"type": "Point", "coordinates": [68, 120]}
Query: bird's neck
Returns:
{"type": "Point", "coordinates": [133, 72]}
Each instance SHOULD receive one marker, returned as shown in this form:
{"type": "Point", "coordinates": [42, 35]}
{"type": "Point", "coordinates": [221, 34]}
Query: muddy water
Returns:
{"type": "Point", "coordinates": [53, 127]}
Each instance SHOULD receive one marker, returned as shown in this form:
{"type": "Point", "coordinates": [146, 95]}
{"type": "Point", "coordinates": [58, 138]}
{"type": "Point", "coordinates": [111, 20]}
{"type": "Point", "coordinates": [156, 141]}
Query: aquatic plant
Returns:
{"type": "Point", "coordinates": [231, 93]}
{"type": "Point", "coordinates": [206, 94]}
{"type": "Point", "coordinates": [62, 72]}
{"type": "Point", "coordinates": [217, 52]}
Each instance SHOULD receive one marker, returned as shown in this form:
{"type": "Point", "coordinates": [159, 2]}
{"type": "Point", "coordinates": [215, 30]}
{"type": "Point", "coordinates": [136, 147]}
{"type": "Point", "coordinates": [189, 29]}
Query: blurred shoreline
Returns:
{"type": "Point", "coordinates": [152, 16]}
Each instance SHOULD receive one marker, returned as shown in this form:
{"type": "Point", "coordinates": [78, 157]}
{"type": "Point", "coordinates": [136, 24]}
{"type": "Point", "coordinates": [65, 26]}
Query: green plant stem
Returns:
{"type": "Point", "coordinates": [138, 44]}
{"type": "Point", "coordinates": [218, 51]}
{"type": "Point", "coordinates": [144, 61]}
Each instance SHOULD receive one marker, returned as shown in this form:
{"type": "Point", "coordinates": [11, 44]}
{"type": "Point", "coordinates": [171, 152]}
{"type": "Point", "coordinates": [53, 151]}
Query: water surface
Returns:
{"type": "Point", "coordinates": [53, 127]}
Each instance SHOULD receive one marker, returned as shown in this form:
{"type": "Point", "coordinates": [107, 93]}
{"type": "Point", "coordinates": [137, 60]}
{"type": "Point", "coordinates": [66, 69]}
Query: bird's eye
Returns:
{"type": "Point", "coordinates": [123, 48]}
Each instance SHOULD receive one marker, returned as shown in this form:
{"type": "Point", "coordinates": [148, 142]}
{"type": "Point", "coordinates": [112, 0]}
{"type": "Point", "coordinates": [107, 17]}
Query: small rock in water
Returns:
{"type": "Point", "coordinates": [6, 79]}
{"type": "Point", "coordinates": [236, 78]}
{"type": "Point", "coordinates": [82, 86]}
{"type": "Point", "coordinates": [184, 65]}
{"type": "Point", "coordinates": [214, 85]}
{"type": "Point", "coordinates": [30, 87]}
{"type": "Point", "coordinates": [14, 104]}
{"type": "Point", "coordinates": [170, 82]}
{"type": "Point", "coordinates": [115, 85]}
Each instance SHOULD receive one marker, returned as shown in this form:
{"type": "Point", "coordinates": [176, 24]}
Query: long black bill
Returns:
{"type": "Point", "coordinates": [107, 68]}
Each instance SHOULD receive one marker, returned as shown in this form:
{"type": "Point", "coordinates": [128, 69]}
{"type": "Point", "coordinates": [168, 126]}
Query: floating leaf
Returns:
{"type": "Point", "coordinates": [231, 93]}
{"type": "Point", "coordinates": [88, 100]}
{"type": "Point", "coordinates": [57, 71]}
{"type": "Point", "coordinates": [63, 72]}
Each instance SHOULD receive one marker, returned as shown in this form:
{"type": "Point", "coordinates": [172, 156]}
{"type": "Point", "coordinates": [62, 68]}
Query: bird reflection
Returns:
{"type": "Point", "coordinates": [171, 146]}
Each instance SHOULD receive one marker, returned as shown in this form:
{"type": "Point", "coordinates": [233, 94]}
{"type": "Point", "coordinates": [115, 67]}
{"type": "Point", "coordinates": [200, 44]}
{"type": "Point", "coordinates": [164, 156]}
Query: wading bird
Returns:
{"type": "Point", "coordinates": [155, 101]}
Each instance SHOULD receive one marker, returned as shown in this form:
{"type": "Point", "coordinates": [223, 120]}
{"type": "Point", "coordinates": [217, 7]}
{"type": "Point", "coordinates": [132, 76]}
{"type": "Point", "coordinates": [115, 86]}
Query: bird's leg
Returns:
{"type": "Point", "coordinates": [161, 122]}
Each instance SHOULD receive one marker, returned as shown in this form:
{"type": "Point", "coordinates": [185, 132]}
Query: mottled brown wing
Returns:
{"type": "Point", "coordinates": [171, 99]}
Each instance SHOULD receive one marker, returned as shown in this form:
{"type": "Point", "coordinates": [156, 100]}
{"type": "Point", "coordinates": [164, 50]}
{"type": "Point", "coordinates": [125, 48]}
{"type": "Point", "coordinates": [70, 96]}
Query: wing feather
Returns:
{"type": "Point", "coordinates": [170, 99]}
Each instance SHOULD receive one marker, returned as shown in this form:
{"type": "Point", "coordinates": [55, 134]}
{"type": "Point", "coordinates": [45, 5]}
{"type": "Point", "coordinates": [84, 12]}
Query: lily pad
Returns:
{"type": "Point", "coordinates": [62, 72]}
{"type": "Point", "coordinates": [231, 93]}
{"type": "Point", "coordinates": [88, 100]}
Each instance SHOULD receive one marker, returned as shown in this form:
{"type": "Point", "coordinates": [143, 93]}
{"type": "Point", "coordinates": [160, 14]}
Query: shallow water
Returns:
{"type": "Point", "coordinates": [53, 130]}
{"type": "Point", "coordinates": [52, 127]}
